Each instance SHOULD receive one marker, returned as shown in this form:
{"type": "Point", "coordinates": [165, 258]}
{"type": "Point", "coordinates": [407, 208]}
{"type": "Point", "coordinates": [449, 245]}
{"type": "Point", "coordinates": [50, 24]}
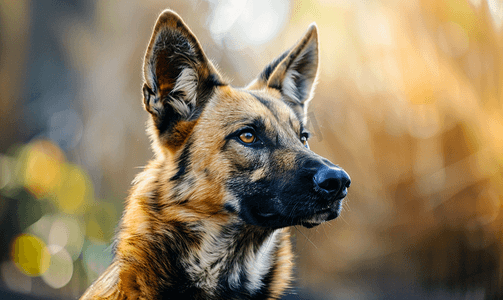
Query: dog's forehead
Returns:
{"type": "Point", "coordinates": [237, 106]}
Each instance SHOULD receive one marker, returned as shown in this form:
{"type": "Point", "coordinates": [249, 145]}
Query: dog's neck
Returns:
{"type": "Point", "coordinates": [237, 257]}
{"type": "Point", "coordinates": [216, 257]}
{"type": "Point", "coordinates": [207, 260]}
{"type": "Point", "coordinates": [203, 256]}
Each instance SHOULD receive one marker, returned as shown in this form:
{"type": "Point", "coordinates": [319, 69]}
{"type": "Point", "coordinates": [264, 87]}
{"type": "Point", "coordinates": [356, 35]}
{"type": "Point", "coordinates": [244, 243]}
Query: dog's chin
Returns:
{"type": "Point", "coordinates": [311, 219]}
{"type": "Point", "coordinates": [321, 217]}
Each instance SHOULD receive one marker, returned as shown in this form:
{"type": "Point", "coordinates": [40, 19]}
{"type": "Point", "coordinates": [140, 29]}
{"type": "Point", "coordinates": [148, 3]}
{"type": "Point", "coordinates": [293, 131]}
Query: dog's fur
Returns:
{"type": "Point", "coordinates": [207, 217]}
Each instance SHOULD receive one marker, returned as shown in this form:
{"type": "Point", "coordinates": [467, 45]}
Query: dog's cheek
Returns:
{"type": "Point", "coordinates": [247, 173]}
{"type": "Point", "coordinates": [285, 161]}
{"type": "Point", "coordinates": [259, 174]}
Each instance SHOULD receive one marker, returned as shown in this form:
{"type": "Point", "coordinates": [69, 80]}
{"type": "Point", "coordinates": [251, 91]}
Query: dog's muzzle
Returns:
{"type": "Point", "coordinates": [332, 180]}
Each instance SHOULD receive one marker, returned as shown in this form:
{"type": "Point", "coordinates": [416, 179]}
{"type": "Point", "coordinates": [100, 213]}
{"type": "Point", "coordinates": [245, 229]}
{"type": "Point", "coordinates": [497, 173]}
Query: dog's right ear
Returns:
{"type": "Point", "coordinates": [179, 79]}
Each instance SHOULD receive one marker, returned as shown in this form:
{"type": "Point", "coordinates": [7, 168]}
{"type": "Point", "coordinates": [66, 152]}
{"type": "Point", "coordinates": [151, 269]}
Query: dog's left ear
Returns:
{"type": "Point", "coordinates": [294, 72]}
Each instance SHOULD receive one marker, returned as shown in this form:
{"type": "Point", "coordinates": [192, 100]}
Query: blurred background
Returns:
{"type": "Point", "coordinates": [409, 102]}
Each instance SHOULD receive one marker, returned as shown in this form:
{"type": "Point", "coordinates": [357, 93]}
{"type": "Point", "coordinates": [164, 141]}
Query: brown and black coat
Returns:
{"type": "Point", "coordinates": [208, 217]}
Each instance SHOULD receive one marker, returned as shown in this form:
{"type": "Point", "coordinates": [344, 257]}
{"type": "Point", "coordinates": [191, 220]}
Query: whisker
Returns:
{"type": "Point", "coordinates": [324, 230]}
{"type": "Point", "coordinates": [306, 237]}
{"type": "Point", "coordinates": [345, 204]}
{"type": "Point", "coordinates": [344, 220]}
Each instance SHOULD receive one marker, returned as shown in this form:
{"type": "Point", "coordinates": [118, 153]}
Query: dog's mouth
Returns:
{"type": "Point", "coordinates": [310, 219]}
{"type": "Point", "coordinates": [322, 215]}
{"type": "Point", "coordinates": [311, 213]}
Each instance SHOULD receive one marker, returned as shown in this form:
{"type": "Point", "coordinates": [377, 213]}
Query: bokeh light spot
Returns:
{"type": "Point", "coordinates": [30, 255]}
{"type": "Point", "coordinates": [43, 168]}
{"type": "Point", "coordinates": [247, 22]}
{"type": "Point", "coordinates": [74, 190]}
{"type": "Point", "coordinates": [41, 227]}
{"type": "Point", "coordinates": [496, 9]}
{"type": "Point", "coordinates": [5, 171]}
{"type": "Point", "coordinates": [60, 270]}
{"type": "Point", "coordinates": [67, 232]}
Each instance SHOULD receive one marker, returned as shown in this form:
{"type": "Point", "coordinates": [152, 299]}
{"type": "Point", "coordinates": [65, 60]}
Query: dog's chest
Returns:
{"type": "Point", "coordinates": [223, 264]}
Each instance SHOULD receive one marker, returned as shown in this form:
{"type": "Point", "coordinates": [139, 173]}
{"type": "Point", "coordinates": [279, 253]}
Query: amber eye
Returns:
{"type": "Point", "coordinates": [303, 139]}
{"type": "Point", "coordinates": [247, 137]}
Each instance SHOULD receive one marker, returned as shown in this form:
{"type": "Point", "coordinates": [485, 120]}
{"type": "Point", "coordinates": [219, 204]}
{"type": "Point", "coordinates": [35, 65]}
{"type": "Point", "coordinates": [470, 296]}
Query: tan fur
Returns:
{"type": "Point", "coordinates": [176, 215]}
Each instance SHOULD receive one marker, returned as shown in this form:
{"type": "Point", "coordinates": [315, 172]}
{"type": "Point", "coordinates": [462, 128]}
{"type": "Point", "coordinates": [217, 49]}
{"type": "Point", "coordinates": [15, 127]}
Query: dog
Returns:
{"type": "Point", "coordinates": [208, 217]}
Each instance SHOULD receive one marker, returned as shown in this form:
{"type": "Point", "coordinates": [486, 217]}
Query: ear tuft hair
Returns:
{"type": "Point", "coordinates": [294, 72]}
{"type": "Point", "coordinates": [179, 78]}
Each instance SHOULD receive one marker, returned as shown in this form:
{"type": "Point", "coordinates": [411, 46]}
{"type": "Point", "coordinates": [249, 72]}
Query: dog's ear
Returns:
{"type": "Point", "coordinates": [294, 72]}
{"type": "Point", "coordinates": [179, 79]}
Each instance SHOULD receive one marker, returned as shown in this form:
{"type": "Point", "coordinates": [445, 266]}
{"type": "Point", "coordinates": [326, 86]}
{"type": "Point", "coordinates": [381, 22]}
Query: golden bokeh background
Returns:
{"type": "Point", "coordinates": [409, 102]}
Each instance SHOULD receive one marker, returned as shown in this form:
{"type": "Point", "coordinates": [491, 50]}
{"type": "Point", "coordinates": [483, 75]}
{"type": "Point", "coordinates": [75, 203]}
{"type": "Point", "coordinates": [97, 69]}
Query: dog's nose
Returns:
{"type": "Point", "coordinates": [333, 180]}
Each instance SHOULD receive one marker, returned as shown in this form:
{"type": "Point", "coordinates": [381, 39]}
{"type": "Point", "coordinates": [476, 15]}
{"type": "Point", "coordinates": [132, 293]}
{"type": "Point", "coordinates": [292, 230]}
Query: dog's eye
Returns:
{"type": "Point", "coordinates": [303, 138]}
{"type": "Point", "coordinates": [247, 137]}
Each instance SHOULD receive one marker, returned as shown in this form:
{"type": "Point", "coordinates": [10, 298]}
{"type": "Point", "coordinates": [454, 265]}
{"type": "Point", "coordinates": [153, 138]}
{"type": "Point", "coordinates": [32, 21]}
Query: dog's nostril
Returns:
{"type": "Point", "coordinates": [329, 184]}
{"type": "Point", "coordinates": [332, 180]}
{"type": "Point", "coordinates": [348, 182]}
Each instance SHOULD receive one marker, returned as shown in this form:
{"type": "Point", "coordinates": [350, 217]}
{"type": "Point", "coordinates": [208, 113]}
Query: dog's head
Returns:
{"type": "Point", "coordinates": [239, 150]}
